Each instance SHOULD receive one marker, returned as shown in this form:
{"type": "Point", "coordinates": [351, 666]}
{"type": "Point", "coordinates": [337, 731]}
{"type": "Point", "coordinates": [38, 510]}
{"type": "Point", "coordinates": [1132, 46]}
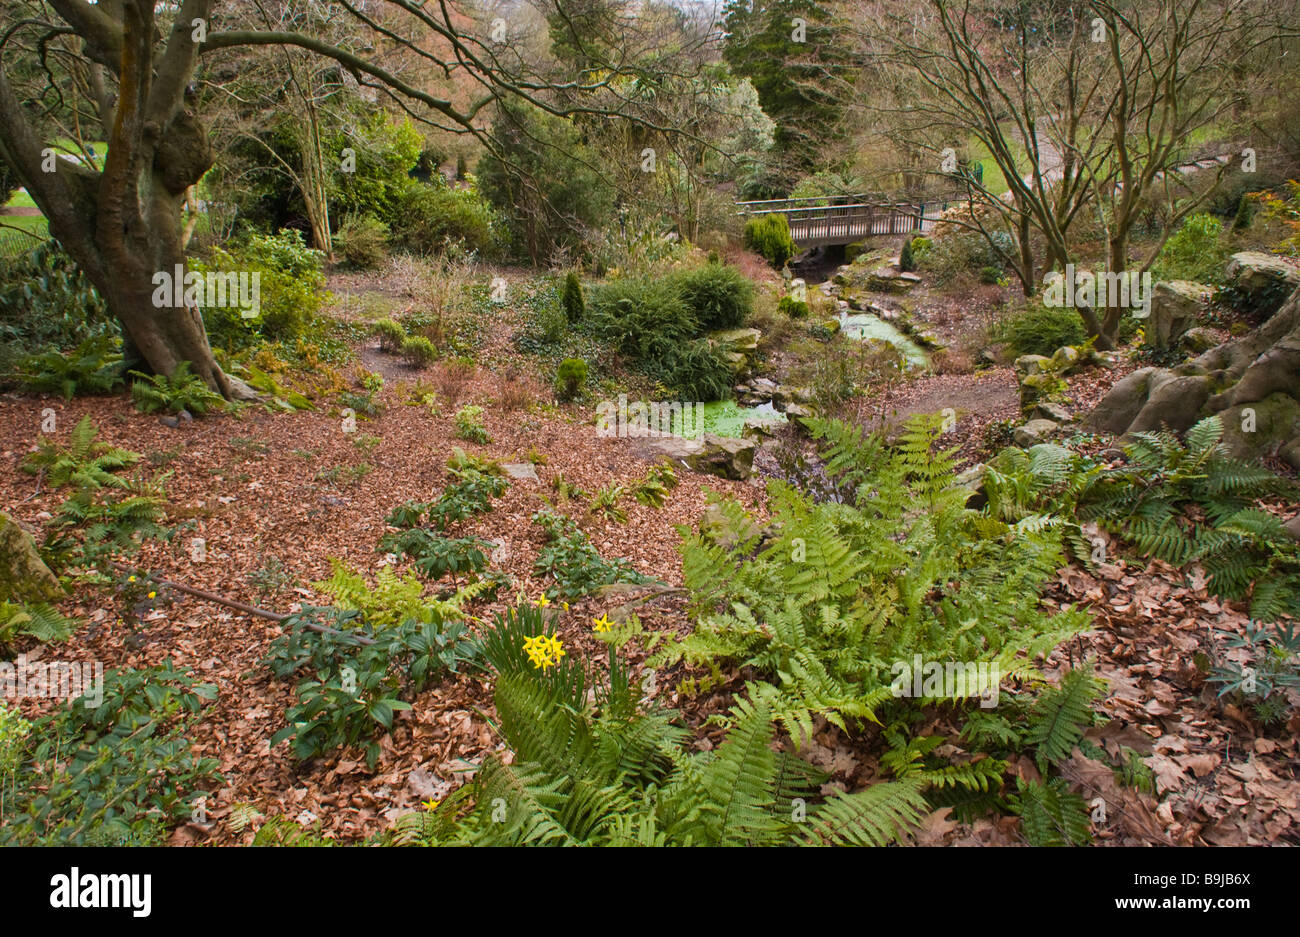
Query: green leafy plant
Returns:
{"type": "Point", "coordinates": [94, 367]}
{"type": "Point", "coordinates": [469, 425]}
{"type": "Point", "coordinates": [114, 771]}
{"type": "Point", "coordinates": [605, 503]}
{"type": "Point", "coordinates": [591, 767]}
{"type": "Point", "coordinates": [653, 490]}
{"type": "Point", "coordinates": [1193, 252]}
{"type": "Point", "coordinates": [182, 390]}
{"type": "Point", "coordinates": [39, 620]}
{"type": "Point", "coordinates": [571, 378]}
{"type": "Point", "coordinates": [769, 236]}
{"type": "Point", "coordinates": [794, 308]}
{"type": "Point", "coordinates": [825, 600]}
{"type": "Point", "coordinates": [1275, 669]}
{"type": "Point", "coordinates": [1050, 813]}
{"type": "Point", "coordinates": [572, 563]}
{"type": "Point", "coordinates": [348, 691]}
{"type": "Point", "coordinates": [86, 463]}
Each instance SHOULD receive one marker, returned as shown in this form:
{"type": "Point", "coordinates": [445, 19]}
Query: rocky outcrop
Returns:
{"type": "Point", "coordinates": [1034, 432]}
{"type": "Point", "coordinates": [24, 577]}
{"type": "Point", "coordinates": [1252, 382]}
{"type": "Point", "coordinates": [738, 346]}
{"type": "Point", "coordinates": [722, 456]}
{"type": "Point", "coordinates": [1255, 275]}
{"type": "Point", "coordinates": [1176, 306]}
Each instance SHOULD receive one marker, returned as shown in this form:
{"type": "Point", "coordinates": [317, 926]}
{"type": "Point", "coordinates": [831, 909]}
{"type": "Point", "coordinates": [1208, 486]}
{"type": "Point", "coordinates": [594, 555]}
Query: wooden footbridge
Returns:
{"type": "Point", "coordinates": [823, 220]}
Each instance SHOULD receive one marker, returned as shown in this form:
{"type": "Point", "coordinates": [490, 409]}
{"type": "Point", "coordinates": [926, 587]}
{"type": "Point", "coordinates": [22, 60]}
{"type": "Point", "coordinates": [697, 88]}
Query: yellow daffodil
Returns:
{"type": "Point", "coordinates": [153, 594]}
{"type": "Point", "coordinates": [130, 579]}
{"type": "Point", "coordinates": [566, 606]}
{"type": "Point", "coordinates": [542, 601]}
{"type": "Point", "coordinates": [602, 624]}
{"type": "Point", "coordinates": [430, 804]}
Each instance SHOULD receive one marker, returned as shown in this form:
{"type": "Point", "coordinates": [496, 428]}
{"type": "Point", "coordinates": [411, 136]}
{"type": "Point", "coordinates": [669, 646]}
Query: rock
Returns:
{"type": "Point", "coordinates": [1198, 340]}
{"type": "Point", "coordinates": [973, 480]}
{"type": "Point", "coordinates": [738, 339]}
{"type": "Point", "coordinates": [1122, 403]}
{"type": "Point", "coordinates": [1293, 527]}
{"type": "Point", "coordinates": [1046, 410]}
{"type": "Point", "coordinates": [761, 385]}
{"type": "Point", "coordinates": [798, 284]}
{"type": "Point", "coordinates": [1034, 388]}
{"type": "Point", "coordinates": [521, 471]}
{"type": "Point", "coordinates": [24, 577]}
{"type": "Point", "coordinates": [171, 422]}
{"type": "Point", "coordinates": [724, 457]}
{"type": "Point", "coordinates": [986, 358]}
{"type": "Point", "coordinates": [1064, 360]}
{"type": "Point", "coordinates": [1256, 273]}
{"type": "Point", "coordinates": [1173, 400]}
{"type": "Point", "coordinates": [1032, 364]}
{"type": "Point", "coordinates": [1253, 430]}
{"type": "Point", "coordinates": [888, 279]}
{"type": "Point", "coordinates": [758, 428]}
{"type": "Point", "coordinates": [1290, 453]}
{"type": "Point", "coordinates": [1034, 432]}
{"type": "Point", "coordinates": [786, 394]}
{"type": "Point", "coordinates": [1176, 306]}
{"type": "Point", "coordinates": [795, 411]}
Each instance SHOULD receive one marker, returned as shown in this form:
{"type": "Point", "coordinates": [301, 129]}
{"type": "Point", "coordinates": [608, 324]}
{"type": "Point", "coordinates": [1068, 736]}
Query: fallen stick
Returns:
{"type": "Point", "coordinates": [252, 609]}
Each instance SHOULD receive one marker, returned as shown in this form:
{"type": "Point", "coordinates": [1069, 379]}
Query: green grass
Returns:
{"type": "Point", "coordinates": [21, 200]}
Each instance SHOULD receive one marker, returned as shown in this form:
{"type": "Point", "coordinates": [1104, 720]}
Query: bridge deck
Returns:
{"type": "Point", "coordinates": [814, 223]}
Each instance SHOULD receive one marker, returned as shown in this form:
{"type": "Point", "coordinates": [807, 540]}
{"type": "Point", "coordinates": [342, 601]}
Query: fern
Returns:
{"type": "Point", "coordinates": [182, 390]}
{"type": "Point", "coordinates": [85, 463]}
{"type": "Point", "coordinates": [1051, 814]}
{"type": "Point", "coordinates": [1061, 715]}
{"type": "Point", "coordinates": [826, 600]}
{"type": "Point", "coordinates": [39, 620]}
{"type": "Point", "coordinates": [592, 768]}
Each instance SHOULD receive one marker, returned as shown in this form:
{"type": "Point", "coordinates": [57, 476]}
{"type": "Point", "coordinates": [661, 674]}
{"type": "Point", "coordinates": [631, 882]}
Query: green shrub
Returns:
{"type": "Point", "coordinates": [47, 304]}
{"type": "Point", "coordinates": [418, 351]}
{"type": "Point", "coordinates": [1194, 252]}
{"type": "Point", "coordinates": [990, 275]}
{"type": "Point", "coordinates": [571, 378]}
{"type": "Point", "coordinates": [696, 371]}
{"type": "Point", "coordinates": [770, 237]}
{"type": "Point", "coordinates": [118, 773]}
{"type": "Point", "coordinates": [362, 240]}
{"type": "Point", "coordinates": [644, 317]}
{"type": "Point", "coordinates": [391, 335]}
{"type": "Point", "coordinates": [574, 307]}
{"type": "Point", "coordinates": [906, 257]}
{"type": "Point", "coordinates": [292, 289]}
{"type": "Point", "coordinates": [469, 425]}
{"type": "Point", "coordinates": [794, 308]}
{"type": "Point", "coordinates": [348, 692]}
{"type": "Point", "coordinates": [432, 219]}
{"type": "Point", "coordinates": [721, 297]}
{"type": "Point", "coordinates": [1040, 330]}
